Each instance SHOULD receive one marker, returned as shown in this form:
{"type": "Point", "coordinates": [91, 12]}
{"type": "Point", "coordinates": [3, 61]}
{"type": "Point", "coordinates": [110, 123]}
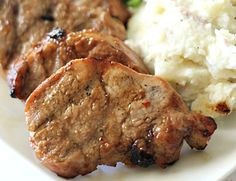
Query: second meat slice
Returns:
{"type": "Point", "coordinates": [57, 49]}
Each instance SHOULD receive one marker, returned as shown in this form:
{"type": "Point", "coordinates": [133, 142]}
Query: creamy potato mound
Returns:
{"type": "Point", "coordinates": [190, 43]}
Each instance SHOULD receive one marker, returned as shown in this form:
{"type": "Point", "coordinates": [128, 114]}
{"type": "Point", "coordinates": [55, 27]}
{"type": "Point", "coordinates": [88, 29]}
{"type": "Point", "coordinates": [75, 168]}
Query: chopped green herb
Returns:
{"type": "Point", "coordinates": [133, 3]}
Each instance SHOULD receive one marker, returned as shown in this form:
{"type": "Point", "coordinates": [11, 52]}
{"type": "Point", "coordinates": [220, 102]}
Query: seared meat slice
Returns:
{"type": "Point", "coordinates": [25, 22]}
{"type": "Point", "coordinates": [115, 7]}
{"type": "Point", "coordinates": [57, 49]}
{"type": "Point", "coordinates": [91, 113]}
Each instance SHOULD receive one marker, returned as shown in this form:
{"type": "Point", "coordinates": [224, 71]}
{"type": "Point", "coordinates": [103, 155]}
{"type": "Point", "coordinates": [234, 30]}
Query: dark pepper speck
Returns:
{"type": "Point", "coordinates": [57, 33]}
{"type": "Point", "coordinates": [47, 18]}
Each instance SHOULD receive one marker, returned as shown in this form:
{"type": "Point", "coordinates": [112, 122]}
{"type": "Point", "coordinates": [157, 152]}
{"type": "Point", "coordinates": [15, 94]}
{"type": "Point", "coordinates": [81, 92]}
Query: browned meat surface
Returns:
{"type": "Point", "coordinates": [91, 113]}
{"type": "Point", "coordinates": [25, 22]}
{"type": "Point", "coordinates": [57, 49]}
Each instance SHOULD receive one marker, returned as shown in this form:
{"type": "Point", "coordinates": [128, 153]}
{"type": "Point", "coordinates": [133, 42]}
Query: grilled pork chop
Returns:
{"type": "Point", "coordinates": [58, 49]}
{"type": "Point", "coordinates": [91, 113]}
{"type": "Point", "coordinates": [25, 22]}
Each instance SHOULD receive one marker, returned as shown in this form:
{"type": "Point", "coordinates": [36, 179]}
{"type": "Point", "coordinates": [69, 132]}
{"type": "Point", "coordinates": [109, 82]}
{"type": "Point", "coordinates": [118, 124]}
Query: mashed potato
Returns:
{"type": "Point", "coordinates": [191, 43]}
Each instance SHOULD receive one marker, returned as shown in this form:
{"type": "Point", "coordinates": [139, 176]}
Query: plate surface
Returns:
{"type": "Point", "coordinates": [216, 162]}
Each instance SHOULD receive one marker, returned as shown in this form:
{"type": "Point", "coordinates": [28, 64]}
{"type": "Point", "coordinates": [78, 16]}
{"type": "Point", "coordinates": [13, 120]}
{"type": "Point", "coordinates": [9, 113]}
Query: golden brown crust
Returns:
{"type": "Point", "coordinates": [99, 112]}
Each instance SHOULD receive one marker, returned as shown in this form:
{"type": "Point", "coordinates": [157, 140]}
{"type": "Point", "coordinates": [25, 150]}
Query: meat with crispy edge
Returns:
{"type": "Point", "coordinates": [58, 49]}
{"type": "Point", "coordinates": [91, 113]}
{"type": "Point", "coordinates": [25, 22]}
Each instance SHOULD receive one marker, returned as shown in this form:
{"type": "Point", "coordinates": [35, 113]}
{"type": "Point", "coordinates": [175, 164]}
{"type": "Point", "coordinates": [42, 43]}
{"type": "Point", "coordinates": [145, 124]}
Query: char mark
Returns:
{"type": "Point", "coordinates": [13, 92]}
{"type": "Point", "coordinates": [47, 18]}
{"type": "Point", "coordinates": [141, 158]}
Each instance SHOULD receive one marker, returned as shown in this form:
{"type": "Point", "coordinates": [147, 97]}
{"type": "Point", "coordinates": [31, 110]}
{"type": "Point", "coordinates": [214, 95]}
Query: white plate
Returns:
{"type": "Point", "coordinates": [216, 162]}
